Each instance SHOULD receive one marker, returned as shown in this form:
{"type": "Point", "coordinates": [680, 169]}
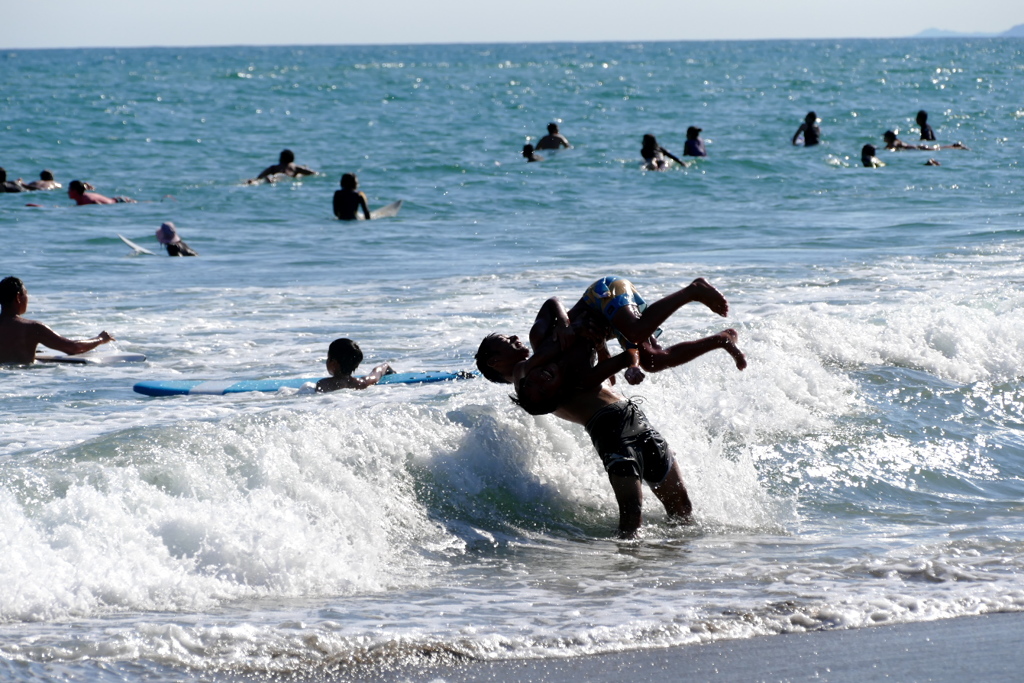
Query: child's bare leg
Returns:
{"type": "Point", "coordinates": [654, 358]}
{"type": "Point", "coordinates": [672, 494]}
{"type": "Point", "coordinates": [636, 326]}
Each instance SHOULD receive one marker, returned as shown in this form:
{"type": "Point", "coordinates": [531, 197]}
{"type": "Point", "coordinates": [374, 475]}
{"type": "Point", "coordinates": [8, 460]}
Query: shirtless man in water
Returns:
{"type": "Point", "coordinates": [20, 336]}
{"type": "Point", "coordinates": [77, 192]}
{"type": "Point", "coordinates": [285, 166]}
{"type": "Point", "coordinates": [562, 378]}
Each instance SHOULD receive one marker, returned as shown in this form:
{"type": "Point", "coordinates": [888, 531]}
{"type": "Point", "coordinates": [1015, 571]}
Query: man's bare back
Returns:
{"type": "Point", "coordinates": [20, 336]}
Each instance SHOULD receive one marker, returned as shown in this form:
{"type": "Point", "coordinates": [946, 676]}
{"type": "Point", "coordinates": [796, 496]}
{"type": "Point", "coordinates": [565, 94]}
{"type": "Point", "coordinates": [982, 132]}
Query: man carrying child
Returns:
{"type": "Point", "coordinates": [561, 377]}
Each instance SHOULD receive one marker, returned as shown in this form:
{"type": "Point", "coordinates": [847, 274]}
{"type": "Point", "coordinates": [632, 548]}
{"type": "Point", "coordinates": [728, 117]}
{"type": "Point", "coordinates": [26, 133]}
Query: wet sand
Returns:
{"type": "Point", "coordinates": [985, 648]}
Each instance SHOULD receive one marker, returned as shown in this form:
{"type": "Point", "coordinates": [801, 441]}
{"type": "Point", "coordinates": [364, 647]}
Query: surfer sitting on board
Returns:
{"type": "Point", "coordinates": [167, 235]}
{"type": "Point", "coordinates": [655, 155]}
{"type": "Point", "coordinates": [694, 146]}
{"type": "Point", "coordinates": [343, 357]}
{"type": "Point", "coordinates": [20, 336]}
{"type": "Point", "coordinates": [77, 191]}
{"type": "Point", "coordinates": [926, 130]}
{"type": "Point", "coordinates": [613, 306]}
{"type": "Point", "coordinates": [554, 139]}
{"type": "Point", "coordinates": [285, 166]}
{"type": "Point", "coordinates": [348, 200]}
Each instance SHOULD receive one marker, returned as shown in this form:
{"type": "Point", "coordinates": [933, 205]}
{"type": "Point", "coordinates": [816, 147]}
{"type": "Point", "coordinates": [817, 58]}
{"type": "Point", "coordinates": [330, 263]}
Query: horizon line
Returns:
{"type": "Point", "coordinates": [950, 35]}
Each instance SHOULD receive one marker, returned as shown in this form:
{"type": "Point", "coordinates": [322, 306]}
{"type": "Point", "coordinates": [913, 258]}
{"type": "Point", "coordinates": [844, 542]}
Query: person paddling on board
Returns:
{"type": "Point", "coordinates": [894, 144]}
{"type": "Point", "coordinates": [809, 129]}
{"type": "Point", "coordinates": [348, 201]}
{"type": "Point", "coordinates": [343, 357]}
{"type": "Point", "coordinates": [20, 336]}
{"type": "Point", "coordinates": [45, 182]}
{"type": "Point", "coordinates": [11, 185]}
{"type": "Point", "coordinates": [77, 192]}
{"type": "Point", "coordinates": [285, 166]}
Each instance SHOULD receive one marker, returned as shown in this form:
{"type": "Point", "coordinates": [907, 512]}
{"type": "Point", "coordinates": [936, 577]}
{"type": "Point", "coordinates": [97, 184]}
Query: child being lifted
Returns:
{"type": "Point", "coordinates": [612, 305]}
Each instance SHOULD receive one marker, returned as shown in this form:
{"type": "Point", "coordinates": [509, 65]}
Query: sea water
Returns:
{"type": "Point", "coordinates": [866, 468]}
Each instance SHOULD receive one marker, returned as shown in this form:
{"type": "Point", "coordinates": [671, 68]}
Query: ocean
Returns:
{"type": "Point", "coordinates": [867, 468]}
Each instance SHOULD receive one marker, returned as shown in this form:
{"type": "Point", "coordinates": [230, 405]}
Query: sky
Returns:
{"type": "Point", "coordinates": [146, 23]}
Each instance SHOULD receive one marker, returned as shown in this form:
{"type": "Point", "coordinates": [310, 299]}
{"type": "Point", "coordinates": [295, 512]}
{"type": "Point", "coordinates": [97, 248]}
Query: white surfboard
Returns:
{"type": "Point", "coordinates": [95, 359]}
{"type": "Point", "coordinates": [388, 211]}
{"type": "Point", "coordinates": [136, 249]}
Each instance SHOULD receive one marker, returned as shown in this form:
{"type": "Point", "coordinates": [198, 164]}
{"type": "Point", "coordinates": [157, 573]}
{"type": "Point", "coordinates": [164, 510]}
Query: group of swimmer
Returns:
{"type": "Point", "coordinates": [657, 158]}
{"type": "Point", "coordinates": [811, 134]}
{"type": "Point", "coordinates": [349, 202]}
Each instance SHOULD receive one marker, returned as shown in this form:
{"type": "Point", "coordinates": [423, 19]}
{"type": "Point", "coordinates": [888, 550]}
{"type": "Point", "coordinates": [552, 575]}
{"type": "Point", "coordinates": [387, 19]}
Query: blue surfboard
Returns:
{"type": "Point", "coordinates": [234, 386]}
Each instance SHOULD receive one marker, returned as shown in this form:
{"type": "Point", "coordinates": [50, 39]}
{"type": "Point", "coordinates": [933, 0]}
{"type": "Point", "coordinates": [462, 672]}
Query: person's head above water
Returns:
{"type": "Point", "coordinates": [46, 175]}
{"type": "Point", "coordinates": [76, 187]}
{"type": "Point", "coordinates": [167, 234]}
{"type": "Point", "coordinates": [553, 128]}
{"type": "Point", "coordinates": [498, 354]}
{"type": "Point", "coordinates": [349, 181]}
{"type": "Point", "coordinates": [287, 157]}
{"type": "Point", "coordinates": [3, 175]}
{"type": "Point", "coordinates": [692, 132]}
{"type": "Point", "coordinates": [346, 356]}
{"type": "Point", "coordinates": [811, 118]}
{"type": "Point", "coordinates": [10, 288]}
{"type": "Point", "coordinates": [867, 151]}
{"type": "Point", "coordinates": [922, 117]}
{"type": "Point", "coordinates": [889, 137]}
{"type": "Point", "coordinates": [650, 140]}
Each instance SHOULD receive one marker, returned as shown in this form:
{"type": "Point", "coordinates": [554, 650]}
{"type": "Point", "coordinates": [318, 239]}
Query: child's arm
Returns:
{"type": "Point", "coordinates": [552, 321]}
{"type": "Point", "coordinates": [372, 377]}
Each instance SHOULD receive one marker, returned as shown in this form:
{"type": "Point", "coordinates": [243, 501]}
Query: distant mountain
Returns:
{"type": "Point", "coordinates": [1015, 32]}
